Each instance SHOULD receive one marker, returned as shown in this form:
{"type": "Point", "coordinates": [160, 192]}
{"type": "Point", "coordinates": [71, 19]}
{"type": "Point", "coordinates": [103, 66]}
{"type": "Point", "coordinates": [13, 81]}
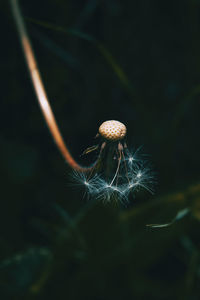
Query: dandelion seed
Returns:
{"type": "Point", "coordinates": [139, 174]}
{"type": "Point", "coordinates": [130, 159]}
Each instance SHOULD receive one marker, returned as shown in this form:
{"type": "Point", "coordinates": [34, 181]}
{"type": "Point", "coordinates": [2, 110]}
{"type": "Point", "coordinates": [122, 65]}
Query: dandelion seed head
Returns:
{"type": "Point", "coordinates": [119, 173]}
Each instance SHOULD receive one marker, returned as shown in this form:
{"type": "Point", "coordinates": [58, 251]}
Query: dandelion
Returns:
{"type": "Point", "coordinates": [117, 172]}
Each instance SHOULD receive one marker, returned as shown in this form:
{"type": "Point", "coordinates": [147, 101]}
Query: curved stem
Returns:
{"type": "Point", "coordinates": [40, 90]}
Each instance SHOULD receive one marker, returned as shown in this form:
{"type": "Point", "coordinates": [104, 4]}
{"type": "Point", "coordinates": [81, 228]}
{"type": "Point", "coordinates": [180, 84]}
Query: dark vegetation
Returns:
{"type": "Point", "coordinates": [137, 62]}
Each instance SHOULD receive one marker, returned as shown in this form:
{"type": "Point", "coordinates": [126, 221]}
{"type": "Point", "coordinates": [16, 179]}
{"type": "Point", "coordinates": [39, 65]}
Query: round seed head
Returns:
{"type": "Point", "coordinates": [112, 130]}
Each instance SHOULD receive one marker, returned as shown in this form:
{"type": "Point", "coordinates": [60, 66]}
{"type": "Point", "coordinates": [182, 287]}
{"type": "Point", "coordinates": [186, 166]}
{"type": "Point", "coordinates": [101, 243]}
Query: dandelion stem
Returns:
{"type": "Point", "coordinates": [40, 90]}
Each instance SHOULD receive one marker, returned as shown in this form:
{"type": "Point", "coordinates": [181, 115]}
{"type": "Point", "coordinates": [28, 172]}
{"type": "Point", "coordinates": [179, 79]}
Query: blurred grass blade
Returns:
{"type": "Point", "coordinates": [181, 214]}
{"type": "Point", "coordinates": [115, 66]}
{"type": "Point", "coordinates": [99, 46]}
{"type": "Point", "coordinates": [59, 51]}
{"type": "Point", "coordinates": [86, 13]}
{"type": "Point", "coordinates": [184, 106]}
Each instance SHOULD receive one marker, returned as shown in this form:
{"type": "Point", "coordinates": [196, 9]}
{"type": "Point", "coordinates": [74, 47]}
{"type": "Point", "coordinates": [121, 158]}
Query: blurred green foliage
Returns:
{"type": "Point", "coordinates": [135, 61]}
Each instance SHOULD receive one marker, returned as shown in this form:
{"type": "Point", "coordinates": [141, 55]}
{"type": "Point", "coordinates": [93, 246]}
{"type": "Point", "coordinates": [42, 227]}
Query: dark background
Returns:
{"type": "Point", "coordinates": [54, 243]}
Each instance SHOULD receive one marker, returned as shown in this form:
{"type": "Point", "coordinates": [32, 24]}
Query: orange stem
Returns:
{"type": "Point", "coordinates": [40, 90]}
